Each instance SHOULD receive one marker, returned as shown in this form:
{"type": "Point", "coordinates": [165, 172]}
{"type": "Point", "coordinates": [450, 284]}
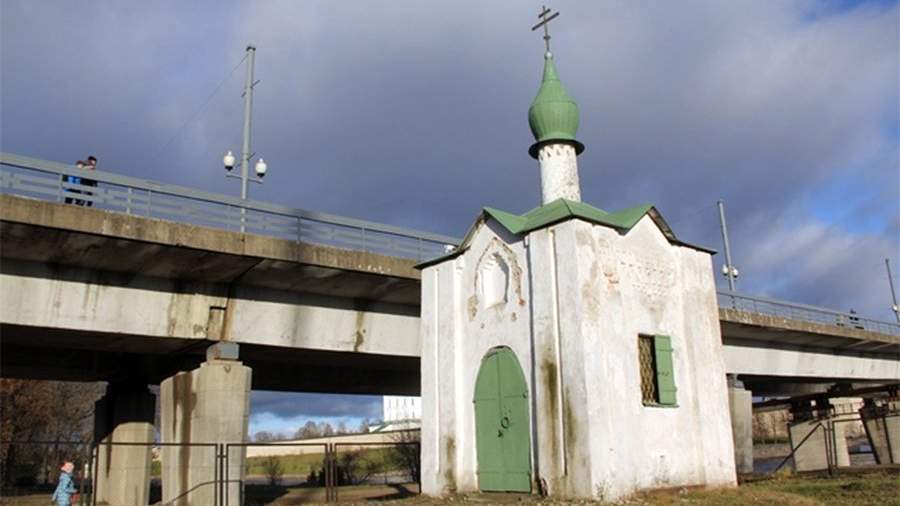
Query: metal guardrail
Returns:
{"type": "Point", "coordinates": [31, 177]}
{"type": "Point", "coordinates": [802, 312]}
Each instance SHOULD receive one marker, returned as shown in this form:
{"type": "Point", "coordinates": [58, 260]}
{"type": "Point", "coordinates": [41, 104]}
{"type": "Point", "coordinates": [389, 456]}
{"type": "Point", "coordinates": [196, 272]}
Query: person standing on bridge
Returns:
{"type": "Point", "coordinates": [74, 180]}
{"type": "Point", "coordinates": [91, 165]}
{"type": "Point", "coordinates": [65, 488]}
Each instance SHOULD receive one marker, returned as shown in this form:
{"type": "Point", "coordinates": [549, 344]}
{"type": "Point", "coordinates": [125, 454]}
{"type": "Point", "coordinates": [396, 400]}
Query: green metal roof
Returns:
{"type": "Point", "coordinates": [562, 210]}
{"type": "Point", "coordinates": [553, 115]}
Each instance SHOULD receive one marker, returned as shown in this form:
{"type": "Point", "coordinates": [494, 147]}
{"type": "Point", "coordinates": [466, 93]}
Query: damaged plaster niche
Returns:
{"type": "Point", "coordinates": [493, 281]}
{"type": "Point", "coordinates": [498, 279]}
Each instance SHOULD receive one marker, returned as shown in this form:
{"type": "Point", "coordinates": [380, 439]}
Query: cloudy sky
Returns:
{"type": "Point", "coordinates": [415, 114]}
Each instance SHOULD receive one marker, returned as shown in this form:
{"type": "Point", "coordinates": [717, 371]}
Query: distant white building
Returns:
{"type": "Point", "coordinates": [397, 408]}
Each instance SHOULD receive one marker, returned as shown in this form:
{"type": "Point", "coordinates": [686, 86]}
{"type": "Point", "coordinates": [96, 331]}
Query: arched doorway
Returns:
{"type": "Point", "coordinates": [502, 436]}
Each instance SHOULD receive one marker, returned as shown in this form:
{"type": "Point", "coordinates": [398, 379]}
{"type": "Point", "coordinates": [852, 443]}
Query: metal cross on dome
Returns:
{"type": "Point", "coordinates": [546, 17]}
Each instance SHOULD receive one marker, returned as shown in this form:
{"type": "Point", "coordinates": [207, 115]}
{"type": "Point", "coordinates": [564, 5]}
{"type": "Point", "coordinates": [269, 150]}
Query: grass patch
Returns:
{"type": "Point", "coordinates": [290, 464]}
{"type": "Point", "coordinates": [882, 488]}
{"type": "Point", "coordinates": [878, 488]}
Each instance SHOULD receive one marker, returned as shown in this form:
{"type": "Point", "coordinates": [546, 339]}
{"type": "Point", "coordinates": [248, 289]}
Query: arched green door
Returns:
{"type": "Point", "coordinates": [501, 424]}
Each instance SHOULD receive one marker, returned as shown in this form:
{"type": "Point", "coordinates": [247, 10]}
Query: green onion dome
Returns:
{"type": "Point", "coordinates": [553, 115]}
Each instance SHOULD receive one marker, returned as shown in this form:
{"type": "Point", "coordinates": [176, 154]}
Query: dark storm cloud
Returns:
{"type": "Point", "coordinates": [414, 114]}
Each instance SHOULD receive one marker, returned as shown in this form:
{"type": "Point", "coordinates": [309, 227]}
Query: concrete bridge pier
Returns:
{"type": "Point", "coordinates": [124, 415]}
{"type": "Point", "coordinates": [816, 440]}
{"type": "Point", "coordinates": [882, 424]}
{"type": "Point", "coordinates": [199, 409]}
{"type": "Point", "coordinates": [740, 401]}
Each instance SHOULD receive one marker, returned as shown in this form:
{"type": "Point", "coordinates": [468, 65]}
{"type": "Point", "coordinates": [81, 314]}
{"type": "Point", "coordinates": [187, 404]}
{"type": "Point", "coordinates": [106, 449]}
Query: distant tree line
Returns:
{"type": "Point", "coordinates": [312, 430]}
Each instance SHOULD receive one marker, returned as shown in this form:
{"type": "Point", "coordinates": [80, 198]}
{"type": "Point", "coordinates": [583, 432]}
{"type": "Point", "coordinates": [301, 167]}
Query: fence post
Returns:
{"type": "Point", "coordinates": [128, 201]}
{"type": "Point", "coordinates": [149, 199]}
{"type": "Point", "coordinates": [59, 188]}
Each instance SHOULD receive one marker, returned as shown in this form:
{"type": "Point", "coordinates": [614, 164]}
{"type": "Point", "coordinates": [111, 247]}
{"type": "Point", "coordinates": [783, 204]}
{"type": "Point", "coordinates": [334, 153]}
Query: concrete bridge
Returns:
{"type": "Point", "coordinates": [137, 287]}
{"type": "Point", "coordinates": [132, 295]}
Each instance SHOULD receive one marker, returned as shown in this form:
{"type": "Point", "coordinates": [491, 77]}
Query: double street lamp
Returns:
{"type": "Point", "coordinates": [229, 159]}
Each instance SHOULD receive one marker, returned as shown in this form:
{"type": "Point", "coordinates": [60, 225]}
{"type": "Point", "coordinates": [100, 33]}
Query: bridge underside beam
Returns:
{"type": "Point", "coordinates": [811, 365]}
{"type": "Point", "coordinates": [40, 353]}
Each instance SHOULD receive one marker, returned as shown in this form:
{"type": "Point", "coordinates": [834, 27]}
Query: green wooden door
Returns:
{"type": "Point", "coordinates": [501, 424]}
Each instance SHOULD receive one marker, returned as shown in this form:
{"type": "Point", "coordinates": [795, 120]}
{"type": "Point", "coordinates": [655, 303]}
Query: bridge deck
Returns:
{"type": "Point", "coordinates": [378, 290]}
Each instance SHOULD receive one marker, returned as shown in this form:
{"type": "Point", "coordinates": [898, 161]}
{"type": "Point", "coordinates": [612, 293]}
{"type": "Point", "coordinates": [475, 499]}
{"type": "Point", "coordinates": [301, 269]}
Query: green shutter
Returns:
{"type": "Point", "coordinates": [665, 370]}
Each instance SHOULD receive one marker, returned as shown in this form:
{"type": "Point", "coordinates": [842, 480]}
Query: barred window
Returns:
{"type": "Point", "coordinates": [657, 370]}
{"type": "Point", "coordinates": [649, 391]}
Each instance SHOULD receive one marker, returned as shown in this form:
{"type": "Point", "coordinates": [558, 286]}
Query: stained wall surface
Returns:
{"type": "Point", "coordinates": [571, 300]}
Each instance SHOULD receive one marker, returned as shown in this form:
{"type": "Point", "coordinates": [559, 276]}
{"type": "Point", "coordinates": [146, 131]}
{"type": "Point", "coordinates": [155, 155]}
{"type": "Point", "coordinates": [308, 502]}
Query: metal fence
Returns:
{"type": "Point", "coordinates": [30, 470]}
{"type": "Point", "coordinates": [801, 312]}
{"type": "Point", "coordinates": [45, 180]}
{"type": "Point", "coordinates": [217, 474]}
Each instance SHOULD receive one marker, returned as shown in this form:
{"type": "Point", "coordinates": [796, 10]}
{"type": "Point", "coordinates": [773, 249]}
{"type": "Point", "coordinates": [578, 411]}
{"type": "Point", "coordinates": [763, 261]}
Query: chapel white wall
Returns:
{"type": "Point", "coordinates": [457, 331]}
{"type": "Point", "coordinates": [581, 296]}
{"type": "Point", "coordinates": [636, 284]}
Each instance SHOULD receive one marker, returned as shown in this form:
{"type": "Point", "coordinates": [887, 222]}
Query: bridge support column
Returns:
{"type": "Point", "coordinates": [740, 401]}
{"type": "Point", "coordinates": [124, 415]}
{"type": "Point", "coordinates": [201, 409]}
{"type": "Point", "coordinates": [882, 424]}
{"type": "Point", "coordinates": [817, 441]}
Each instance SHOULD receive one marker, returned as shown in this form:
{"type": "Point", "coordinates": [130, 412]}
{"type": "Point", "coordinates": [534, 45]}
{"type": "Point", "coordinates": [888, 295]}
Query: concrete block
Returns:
{"type": "Point", "coordinates": [882, 424]}
{"type": "Point", "coordinates": [741, 403]}
{"type": "Point", "coordinates": [826, 444]}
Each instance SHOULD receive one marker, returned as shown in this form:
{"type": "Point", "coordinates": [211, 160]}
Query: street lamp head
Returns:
{"type": "Point", "coordinates": [261, 168]}
{"type": "Point", "coordinates": [229, 161]}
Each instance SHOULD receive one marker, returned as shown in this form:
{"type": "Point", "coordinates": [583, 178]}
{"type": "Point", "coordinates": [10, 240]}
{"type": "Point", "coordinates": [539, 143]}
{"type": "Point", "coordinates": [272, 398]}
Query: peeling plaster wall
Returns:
{"type": "Point", "coordinates": [458, 330]}
{"type": "Point", "coordinates": [578, 297]}
{"type": "Point", "coordinates": [559, 173]}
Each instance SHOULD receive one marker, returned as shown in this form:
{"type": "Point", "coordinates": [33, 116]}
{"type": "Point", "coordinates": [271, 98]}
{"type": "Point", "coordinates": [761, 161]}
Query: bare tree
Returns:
{"type": "Point", "coordinates": [355, 466]}
{"type": "Point", "coordinates": [264, 436]}
{"type": "Point", "coordinates": [406, 452]}
{"type": "Point", "coordinates": [273, 470]}
{"type": "Point", "coordinates": [43, 411]}
{"type": "Point", "coordinates": [308, 431]}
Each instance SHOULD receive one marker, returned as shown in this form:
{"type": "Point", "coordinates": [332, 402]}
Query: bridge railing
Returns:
{"type": "Point", "coordinates": [802, 312]}
{"type": "Point", "coordinates": [41, 179]}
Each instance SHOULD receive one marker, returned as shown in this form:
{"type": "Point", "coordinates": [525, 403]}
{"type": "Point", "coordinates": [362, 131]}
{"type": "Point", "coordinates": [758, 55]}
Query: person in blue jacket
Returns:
{"type": "Point", "coordinates": [66, 486]}
{"type": "Point", "coordinates": [74, 180]}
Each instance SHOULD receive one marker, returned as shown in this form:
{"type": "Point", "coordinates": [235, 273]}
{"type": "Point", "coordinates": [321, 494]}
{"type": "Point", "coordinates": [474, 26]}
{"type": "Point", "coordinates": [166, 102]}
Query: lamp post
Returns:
{"type": "Point", "coordinates": [729, 270]}
{"type": "Point", "coordinates": [229, 158]}
{"type": "Point", "coordinates": [894, 307]}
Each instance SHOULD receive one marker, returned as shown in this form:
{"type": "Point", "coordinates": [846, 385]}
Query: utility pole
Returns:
{"type": "Point", "coordinates": [248, 113]}
{"type": "Point", "coordinates": [729, 270]}
{"type": "Point", "coordinates": [246, 154]}
{"type": "Point", "coordinates": [894, 307]}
